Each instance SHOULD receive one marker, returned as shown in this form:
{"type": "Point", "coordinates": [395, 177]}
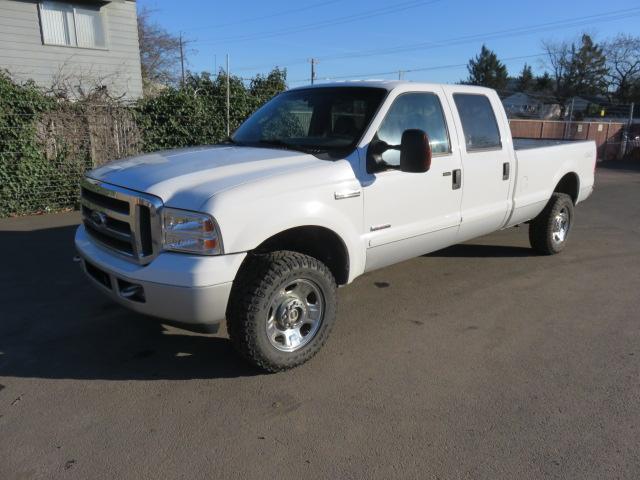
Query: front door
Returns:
{"type": "Point", "coordinates": [410, 214]}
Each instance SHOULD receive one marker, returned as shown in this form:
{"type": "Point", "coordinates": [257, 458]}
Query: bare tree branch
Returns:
{"type": "Point", "coordinates": [159, 53]}
{"type": "Point", "coordinates": [623, 59]}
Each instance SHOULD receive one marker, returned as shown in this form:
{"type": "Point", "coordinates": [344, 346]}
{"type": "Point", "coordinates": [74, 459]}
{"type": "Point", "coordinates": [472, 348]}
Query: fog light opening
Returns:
{"type": "Point", "coordinates": [131, 291]}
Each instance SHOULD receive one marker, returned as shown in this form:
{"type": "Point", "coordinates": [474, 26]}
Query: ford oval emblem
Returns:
{"type": "Point", "coordinates": [99, 219]}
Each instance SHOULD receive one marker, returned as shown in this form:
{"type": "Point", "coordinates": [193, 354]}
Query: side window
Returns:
{"type": "Point", "coordinates": [414, 110]}
{"type": "Point", "coordinates": [478, 122]}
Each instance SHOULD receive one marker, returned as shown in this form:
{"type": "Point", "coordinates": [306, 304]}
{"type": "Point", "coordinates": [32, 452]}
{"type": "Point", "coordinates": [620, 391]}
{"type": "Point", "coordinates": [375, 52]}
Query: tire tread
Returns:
{"type": "Point", "coordinates": [541, 227]}
{"type": "Point", "coordinates": [259, 273]}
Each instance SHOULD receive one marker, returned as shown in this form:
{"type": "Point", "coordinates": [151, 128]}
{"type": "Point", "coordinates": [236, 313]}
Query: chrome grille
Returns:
{"type": "Point", "coordinates": [124, 221]}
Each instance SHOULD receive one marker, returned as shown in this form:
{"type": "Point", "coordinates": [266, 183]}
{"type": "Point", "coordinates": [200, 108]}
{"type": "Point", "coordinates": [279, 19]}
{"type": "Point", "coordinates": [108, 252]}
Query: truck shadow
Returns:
{"type": "Point", "coordinates": [620, 165]}
{"type": "Point", "coordinates": [54, 324]}
{"type": "Point", "coordinates": [468, 250]}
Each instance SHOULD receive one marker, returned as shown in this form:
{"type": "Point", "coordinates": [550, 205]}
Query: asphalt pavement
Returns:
{"type": "Point", "coordinates": [482, 361]}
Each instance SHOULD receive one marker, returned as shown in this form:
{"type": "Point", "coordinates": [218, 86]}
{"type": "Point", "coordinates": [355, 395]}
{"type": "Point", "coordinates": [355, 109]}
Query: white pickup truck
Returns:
{"type": "Point", "coordinates": [319, 186]}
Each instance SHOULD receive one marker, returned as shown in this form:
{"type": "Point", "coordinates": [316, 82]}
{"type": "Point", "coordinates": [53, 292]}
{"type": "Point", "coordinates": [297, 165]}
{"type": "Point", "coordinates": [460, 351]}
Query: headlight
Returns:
{"type": "Point", "coordinates": [192, 232]}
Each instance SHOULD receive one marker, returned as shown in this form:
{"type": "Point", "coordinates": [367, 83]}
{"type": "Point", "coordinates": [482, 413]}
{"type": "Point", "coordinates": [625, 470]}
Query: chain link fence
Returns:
{"type": "Point", "coordinates": [47, 144]}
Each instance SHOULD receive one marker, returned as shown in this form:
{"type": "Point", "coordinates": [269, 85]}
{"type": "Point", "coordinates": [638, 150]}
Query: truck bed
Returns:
{"type": "Point", "coordinates": [528, 143]}
{"type": "Point", "coordinates": [539, 166]}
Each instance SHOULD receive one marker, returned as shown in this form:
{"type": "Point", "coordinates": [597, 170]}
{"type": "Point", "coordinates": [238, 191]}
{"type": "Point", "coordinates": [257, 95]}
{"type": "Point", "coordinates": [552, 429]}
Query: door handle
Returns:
{"type": "Point", "coordinates": [506, 167]}
{"type": "Point", "coordinates": [456, 179]}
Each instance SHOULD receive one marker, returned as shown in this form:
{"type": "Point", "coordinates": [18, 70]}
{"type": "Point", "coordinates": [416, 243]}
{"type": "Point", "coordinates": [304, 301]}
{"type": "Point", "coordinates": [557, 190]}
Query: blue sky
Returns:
{"type": "Point", "coordinates": [434, 37]}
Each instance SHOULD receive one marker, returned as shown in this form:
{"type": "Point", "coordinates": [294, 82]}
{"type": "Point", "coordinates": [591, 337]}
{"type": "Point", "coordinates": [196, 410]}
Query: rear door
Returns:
{"type": "Point", "coordinates": [487, 166]}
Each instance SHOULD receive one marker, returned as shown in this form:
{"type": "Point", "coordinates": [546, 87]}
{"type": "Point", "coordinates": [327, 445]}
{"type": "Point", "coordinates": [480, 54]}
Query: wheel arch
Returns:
{"type": "Point", "coordinates": [570, 185]}
{"type": "Point", "coordinates": [319, 242]}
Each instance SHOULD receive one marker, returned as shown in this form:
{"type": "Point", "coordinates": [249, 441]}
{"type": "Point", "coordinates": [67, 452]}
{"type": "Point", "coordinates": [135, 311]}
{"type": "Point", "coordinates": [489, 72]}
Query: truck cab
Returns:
{"type": "Point", "coordinates": [319, 186]}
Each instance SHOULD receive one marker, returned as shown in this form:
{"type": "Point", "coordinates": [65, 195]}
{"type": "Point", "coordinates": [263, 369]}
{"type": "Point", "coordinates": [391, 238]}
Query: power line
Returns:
{"type": "Point", "coordinates": [265, 17]}
{"type": "Point", "coordinates": [325, 23]}
{"type": "Point", "coordinates": [413, 70]}
{"type": "Point", "coordinates": [512, 32]}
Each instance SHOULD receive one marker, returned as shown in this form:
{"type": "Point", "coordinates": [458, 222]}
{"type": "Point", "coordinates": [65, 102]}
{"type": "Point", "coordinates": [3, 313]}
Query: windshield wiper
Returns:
{"type": "Point", "coordinates": [276, 142]}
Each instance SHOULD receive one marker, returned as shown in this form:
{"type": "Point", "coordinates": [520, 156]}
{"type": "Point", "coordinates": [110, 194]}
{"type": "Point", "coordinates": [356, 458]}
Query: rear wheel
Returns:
{"type": "Point", "coordinates": [281, 309]}
{"type": "Point", "coordinates": [549, 231]}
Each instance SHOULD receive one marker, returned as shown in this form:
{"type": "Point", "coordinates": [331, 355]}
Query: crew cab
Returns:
{"type": "Point", "coordinates": [319, 186]}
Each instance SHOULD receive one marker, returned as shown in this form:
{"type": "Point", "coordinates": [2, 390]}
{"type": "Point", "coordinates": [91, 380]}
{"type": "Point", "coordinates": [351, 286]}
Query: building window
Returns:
{"type": "Point", "coordinates": [72, 25]}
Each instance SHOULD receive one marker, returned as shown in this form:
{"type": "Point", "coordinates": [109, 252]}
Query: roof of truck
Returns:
{"type": "Point", "coordinates": [386, 84]}
{"type": "Point", "coordinates": [392, 84]}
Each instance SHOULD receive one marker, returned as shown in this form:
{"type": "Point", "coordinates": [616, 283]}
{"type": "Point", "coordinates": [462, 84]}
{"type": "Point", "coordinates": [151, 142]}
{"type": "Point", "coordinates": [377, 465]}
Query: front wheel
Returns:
{"type": "Point", "coordinates": [281, 309]}
{"type": "Point", "coordinates": [549, 231]}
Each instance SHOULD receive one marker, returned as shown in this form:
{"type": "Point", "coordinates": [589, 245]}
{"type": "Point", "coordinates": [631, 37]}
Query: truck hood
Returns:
{"type": "Point", "coordinates": [187, 178]}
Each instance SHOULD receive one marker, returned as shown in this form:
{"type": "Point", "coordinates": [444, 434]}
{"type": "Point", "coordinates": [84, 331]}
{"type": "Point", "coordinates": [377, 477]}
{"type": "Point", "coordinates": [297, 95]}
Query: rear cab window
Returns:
{"type": "Point", "coordinates": [479, 122]}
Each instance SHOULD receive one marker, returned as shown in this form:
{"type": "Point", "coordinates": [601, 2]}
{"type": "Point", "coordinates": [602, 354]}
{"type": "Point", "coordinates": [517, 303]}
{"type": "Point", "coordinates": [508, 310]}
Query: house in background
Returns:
{"type": "Point", "coordinates": [74, 46]}
{"type": "Point", "coordinates": [522, 105]}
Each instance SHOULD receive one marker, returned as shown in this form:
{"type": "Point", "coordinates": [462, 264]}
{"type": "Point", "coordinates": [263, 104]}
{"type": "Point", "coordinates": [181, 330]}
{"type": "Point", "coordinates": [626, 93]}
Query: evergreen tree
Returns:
{"type": "Point", "coordinates": [486, 70]}
{"type": "Point", "coordinates": [525, 81]}
{"type": "Point", "coordinates": [587, 69]}
{"type": "Point", "coordinates": [544, 83]}
{"type": "Point", "coordinates": [578, 69]}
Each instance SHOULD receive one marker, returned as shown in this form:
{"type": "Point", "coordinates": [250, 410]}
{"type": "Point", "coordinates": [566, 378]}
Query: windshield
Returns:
{"type": "Point", "coordinates": [315, 119]}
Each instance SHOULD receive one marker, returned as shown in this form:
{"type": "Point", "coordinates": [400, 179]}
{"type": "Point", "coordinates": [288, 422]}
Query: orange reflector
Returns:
{"type": "Point", "coordinates": [210, 244]}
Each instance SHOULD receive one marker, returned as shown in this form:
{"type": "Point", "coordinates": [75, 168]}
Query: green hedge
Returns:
{"type": "Point", "coordinates": [46, 144]}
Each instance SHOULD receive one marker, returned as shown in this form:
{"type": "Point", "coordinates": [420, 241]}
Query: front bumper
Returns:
{"type": "Point", "coordinates": [189, 289]}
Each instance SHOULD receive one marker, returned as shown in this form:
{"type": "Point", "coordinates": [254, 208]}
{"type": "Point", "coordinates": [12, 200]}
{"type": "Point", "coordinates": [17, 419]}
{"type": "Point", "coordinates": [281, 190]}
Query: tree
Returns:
{"type": "Point", "coordinates": [485, 69]}
{"type": "Point", "coordinates": [159, 53]}
{"type": "Point", "coordinates": [587, 73]}
{"type": "Point", "coordinates": [577, 69]}
{"type": "Point", "coordinates": [264, 87]}
{"type": "Point", "coordinates": [525, 81]}
{"type": "Point", "coordinates": [544, 83]}
{"type": "Point", "coordinates": [623, 61]}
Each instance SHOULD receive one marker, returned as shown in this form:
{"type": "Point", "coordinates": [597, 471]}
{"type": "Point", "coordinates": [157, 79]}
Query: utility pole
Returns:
{"type": "Point", "coordinates": [228, 99]}
{"type": "Point", "coordinates": [182, 60]}
{"type": "Point", "coordinates": [400, 74]}
{"type": "Point", "coordinates": [567, 129]}
{"type": "Point", "coordinates": [627, 135]}
{"type": "Point", "coordinates": [314, 62]}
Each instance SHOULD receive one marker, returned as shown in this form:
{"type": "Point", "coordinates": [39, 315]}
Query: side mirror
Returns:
{"type": "Point", "coordinates": [415, 151]}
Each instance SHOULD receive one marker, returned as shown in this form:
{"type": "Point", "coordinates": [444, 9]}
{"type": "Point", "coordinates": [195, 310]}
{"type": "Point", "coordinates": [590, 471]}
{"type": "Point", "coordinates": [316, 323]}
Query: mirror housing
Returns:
{"type": "Point", "coordinates": [415, 151]}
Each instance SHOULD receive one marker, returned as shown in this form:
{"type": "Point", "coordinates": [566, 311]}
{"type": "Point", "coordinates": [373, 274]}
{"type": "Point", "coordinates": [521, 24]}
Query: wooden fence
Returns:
{"type": "Point", "coordinates": [607, 135]}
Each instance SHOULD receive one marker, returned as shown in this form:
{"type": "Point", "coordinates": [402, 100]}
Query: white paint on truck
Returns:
{"type": "Point", "coordinates": [474, 186]}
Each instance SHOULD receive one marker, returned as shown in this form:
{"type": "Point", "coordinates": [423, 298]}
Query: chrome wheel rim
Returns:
{"type": "Point", "coordinates": [295, 315]}
{"type": "Point", "coordinates": [561, 226]}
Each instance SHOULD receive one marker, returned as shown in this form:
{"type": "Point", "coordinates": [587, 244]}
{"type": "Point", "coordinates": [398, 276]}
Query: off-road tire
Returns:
{"type": "Point", "coordinates": [541, 228]}
{"type": "Point", "coordinates": [258, 281]}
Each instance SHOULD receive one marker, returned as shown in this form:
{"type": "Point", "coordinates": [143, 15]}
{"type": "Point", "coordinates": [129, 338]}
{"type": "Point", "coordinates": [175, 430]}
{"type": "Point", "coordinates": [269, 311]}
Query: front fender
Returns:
{"type": "Point", "coordinates": [245, 225]}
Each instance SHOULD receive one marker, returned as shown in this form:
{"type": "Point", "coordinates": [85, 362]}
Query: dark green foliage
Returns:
{"type": "Point", "coordinates": [544, 83]}
{"type": "Point", "coordinates": [23, 165]}
{"type": "Point", "coordinates": [578, 69]}
{"type": "Point", "coordinates": [525, 82]}
{"type": "Point", "coordinates": [486, 70]}
{"type": "Point", "coordinates": [196, 114]}
{"type": "Point", "coordinates": [586, 72]}
{"type": "Point", "coordinates": [46, 144]}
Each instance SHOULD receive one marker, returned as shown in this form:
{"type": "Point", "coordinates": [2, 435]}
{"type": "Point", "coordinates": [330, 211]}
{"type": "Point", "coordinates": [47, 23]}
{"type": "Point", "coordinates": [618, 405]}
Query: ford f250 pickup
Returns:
{"type": "Point", "coordinates": [319, 186]}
